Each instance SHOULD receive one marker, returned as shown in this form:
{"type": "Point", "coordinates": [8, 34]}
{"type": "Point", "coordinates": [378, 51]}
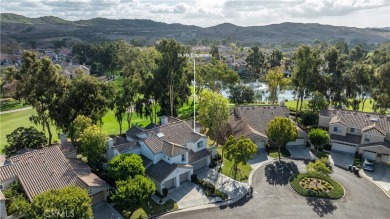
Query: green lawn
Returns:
{"type": "Point", "coordinates": [10, 104]}
{"type": "Point", "coordinates": [244, 170]}
{"type": "Point", "coordinates": [273, 152]}
{"type": "Point", "coordinates": [320, 154]}
{"type": "Point", "coordinates": [145, 211]}
{"type": "Point", "coordinates": [11, 121]}
{"type": "Point", "coordinates": [291, 104]}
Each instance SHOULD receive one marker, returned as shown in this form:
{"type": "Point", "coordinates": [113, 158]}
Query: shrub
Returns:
{"type": "Point", "coordinates": [165, 191]}
{"type": "Point", "coordinates": [336, 190]}
{"type": "Point", "coordinates": [194, 178]}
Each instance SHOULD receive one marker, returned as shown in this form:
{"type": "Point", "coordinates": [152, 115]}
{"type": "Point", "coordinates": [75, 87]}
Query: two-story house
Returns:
{"type": "Point", "coordinates": [353, 131]}
{"type": "Point", "coordinates": [171, 152]}
{"type": "Point", "coordinates": [252, 122]}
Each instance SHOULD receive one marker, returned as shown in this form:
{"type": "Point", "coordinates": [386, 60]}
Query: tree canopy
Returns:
{"type": "Point", "coordinates": [22, 138]}
{"type": "Point", "coordinates": [131, 191]}
{"type": "Point", "coordinates": [319, 167]}
{"type": "Point", "coordinates": [318, 137]}
{"type": "Point", "coordinates": [239, 151]}
{"type": "Point", "coordinates": [276, 82]}
{"type": "Point", "coordinates": [126, 165]}
{"type": "Point", "coordinates": [214, 114]}
{"type": "Point", "coordinates": [282, 130]}
{"type": "Point", "coordinates": [241, 93]}
{"type": "Point", "coordinates": [93, 145]}
{"type": "Point", "coordinates": [72, 200]}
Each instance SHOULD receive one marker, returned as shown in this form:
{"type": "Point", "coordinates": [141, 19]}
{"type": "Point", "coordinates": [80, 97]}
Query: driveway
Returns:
{"type": "Point", "coordinates": [300, 153]}
{"type": "Point", "coordinates": [272, 197]}
{"type": "Point", "coordinates": [225, 184]}
{"type": "Point", "coordinates": [188, 195]}
{"type": "Point", "coordinates": [103, 210]}
{"type": "Point", "coordinates": [341, 159]}
{"type": "Point", "coordinates": [259, 158]}
{"type": "Point", "coordinates": [380, 176]}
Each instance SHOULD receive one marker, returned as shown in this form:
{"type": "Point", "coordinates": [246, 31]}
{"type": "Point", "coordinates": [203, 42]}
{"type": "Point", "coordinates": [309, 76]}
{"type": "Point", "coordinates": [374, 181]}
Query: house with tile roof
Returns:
{"type": "Point", "coordinates": [252, 122]}
{"type": "Point", "coordinates": [43, 169]}
{"type": "Point", "coordinates": [171, 152]}
{"type": "Point", "coordinates": [354, 131]}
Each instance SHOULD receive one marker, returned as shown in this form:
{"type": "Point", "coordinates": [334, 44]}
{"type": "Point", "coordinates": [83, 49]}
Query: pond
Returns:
{"type": "Point", "coordinates": [261, 91]}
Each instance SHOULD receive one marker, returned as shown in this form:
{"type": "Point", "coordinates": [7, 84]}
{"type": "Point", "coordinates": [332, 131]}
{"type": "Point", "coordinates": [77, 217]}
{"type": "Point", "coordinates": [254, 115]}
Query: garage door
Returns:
{"type": "Point", "coordinates": [260, 144]}
{"type": "Point", "coordinates": [369, 155]}
{"type": "Point", "coordinates": [344, 148]}
{"type": "Point", "coordinates": [200, 164]}
{"type": "Point", "coordinates": [183, 177]}
{"type": "Point", "coordinates": [385, 158]}
{"type": "Point", "coordinates": [298, 142]}
{"type": "Point", "coordinates": [98, 197]}
{"type": "Point", "coordinates": [169, 183]}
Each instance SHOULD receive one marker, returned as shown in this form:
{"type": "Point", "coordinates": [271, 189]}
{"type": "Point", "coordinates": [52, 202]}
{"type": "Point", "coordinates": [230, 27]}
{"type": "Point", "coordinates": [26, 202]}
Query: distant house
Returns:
{"type": "Point", "coordinates": [70, 70]}
{"type": "Point", "coordinates": [354, 131]}
{"type": "Point", "coordinates": [47, 168]}
{"type": "Point", "coordinates": [252, 122]}
{"type": "Point", "coordinates": [171, 152]}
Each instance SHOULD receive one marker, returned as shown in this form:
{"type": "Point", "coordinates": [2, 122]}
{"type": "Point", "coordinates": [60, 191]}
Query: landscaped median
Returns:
{"type": "Point", "coordinates": [313, 185]}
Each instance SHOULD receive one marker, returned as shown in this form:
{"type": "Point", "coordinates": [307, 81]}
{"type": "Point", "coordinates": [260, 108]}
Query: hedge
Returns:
{"type": "Point", "coordinates": [336, 193]}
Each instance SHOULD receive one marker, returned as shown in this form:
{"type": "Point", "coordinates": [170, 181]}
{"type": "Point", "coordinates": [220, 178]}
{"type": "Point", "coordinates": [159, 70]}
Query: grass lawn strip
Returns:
{"type": "Point", "coordinates": [336, 192]}
{"type": "Point", "coordinates": [10, 104]}
{"type": "Point", "coordinates": [147, 208]}
{"type": "Point", "coordinates": [273, 152]}
{"type": "Point", "coordinates": [244, 170]}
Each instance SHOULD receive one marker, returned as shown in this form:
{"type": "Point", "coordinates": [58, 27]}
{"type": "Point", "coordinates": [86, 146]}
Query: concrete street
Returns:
{"type": "Point", "coordinates": [272, 197]}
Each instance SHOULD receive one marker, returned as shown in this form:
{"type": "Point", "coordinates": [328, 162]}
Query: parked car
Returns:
{"type": "Point", "coordinates": [368, 165]}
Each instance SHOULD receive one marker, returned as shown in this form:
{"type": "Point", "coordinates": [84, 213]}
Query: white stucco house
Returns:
{"type": "Point", "coordinates": [354, 131]}
{"type": "Point", "coordinates": [171, 152]}
{"type": "Point", "coordinates": [252, 122]}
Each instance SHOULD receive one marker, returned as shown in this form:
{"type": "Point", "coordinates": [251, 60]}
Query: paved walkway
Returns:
{"type": "Point", "coordinates": [381, 175]}
{"type": "Point", "coordinates": [225, 184]}
{"type": "Point", "coordinates": [103, 210]}
{"type": "Point", "coordinates": [188, 195]}
{"type": "Point", "coordinates": [16, 110]}
{"type": "Point", "coordinates": [300, 153]}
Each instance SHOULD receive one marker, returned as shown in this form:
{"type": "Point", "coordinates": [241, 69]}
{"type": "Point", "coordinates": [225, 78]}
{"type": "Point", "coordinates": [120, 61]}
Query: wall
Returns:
{"type": "Point", "coordinates": [343, 132]}
{"type": "Point", "coordinates": [387, 136]}
{"type": "Point", "coordinates": [373, 138]}
{"type": "Point", "coordinates": [3, 210]}
{"type": "Point", "coordinates": [356, 132]}
{"type": "Point", "coordinates": [8, 182]}
{"type": "Point", "coordinates": [323, 121]}
{"type": "Point", "coordinates": [377, 149]}
{"type": "Point", "coordinates": [95, 190]}
{"type": "Point", "coordinates": [256, 138]}
{"type": "Point", "coordinates": [176, 173]}
{"type": "Point", "coordinates": [195, 146]}
{"type": "Point", "coordinates": [147, 152]}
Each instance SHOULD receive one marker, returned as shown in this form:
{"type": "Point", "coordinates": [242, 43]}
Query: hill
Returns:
{"type": "Point", "coordinates": [44, 30]}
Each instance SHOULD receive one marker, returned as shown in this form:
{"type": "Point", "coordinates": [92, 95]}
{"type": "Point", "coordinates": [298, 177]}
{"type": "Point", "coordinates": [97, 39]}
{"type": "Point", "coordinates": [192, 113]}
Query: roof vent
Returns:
{"type": "Point", "coordinates": [374, 119]}
{"type": "Point", "coordinates": [160, 135]}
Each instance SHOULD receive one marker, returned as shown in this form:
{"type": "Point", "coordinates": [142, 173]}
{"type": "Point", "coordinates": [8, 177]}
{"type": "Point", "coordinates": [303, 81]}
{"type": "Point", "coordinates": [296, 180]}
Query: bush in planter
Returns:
{"type": "Point", "coordinates": [194, 178]}
{"type": "Point", "coordinates": [165, 191]}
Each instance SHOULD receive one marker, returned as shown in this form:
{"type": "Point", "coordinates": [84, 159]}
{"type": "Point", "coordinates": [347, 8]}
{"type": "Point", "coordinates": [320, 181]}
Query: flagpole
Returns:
{"type": "Point", "coordinates": [194, 93]}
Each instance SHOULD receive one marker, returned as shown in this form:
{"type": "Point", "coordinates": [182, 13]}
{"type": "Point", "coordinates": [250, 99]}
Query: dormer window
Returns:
{"type": "Point", "coordinates": [352, 130]}
{"type": "Point", "coordinates": [200, 144]}
{"type": "Point", "coordinates": [183, 157]}
{"type": "Point", "coordinates": [1, 187]}
{"type": "Point", "coordinates": [337, 129]}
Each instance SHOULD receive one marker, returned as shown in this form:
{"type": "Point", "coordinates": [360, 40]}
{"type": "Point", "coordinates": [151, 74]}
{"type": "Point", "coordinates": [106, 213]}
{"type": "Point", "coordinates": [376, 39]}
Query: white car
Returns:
{"type": "Point", "coordinates": [368, 165]}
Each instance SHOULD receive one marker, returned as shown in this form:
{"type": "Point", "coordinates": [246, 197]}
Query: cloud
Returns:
{"type": "Point", "coordinates": [209, 12]}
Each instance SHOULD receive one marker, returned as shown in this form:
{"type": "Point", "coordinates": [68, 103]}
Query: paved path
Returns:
{"type": "Point", "coordinates": [16, 110]}
{"type": "Point", "coordinates": [381, 175]}
{"type": "Point", "coordinates": [189, 195]}
{"type": "Point", "coordinates": [272, 197]}
{"type": "Point", "coordinates": [103, 210]}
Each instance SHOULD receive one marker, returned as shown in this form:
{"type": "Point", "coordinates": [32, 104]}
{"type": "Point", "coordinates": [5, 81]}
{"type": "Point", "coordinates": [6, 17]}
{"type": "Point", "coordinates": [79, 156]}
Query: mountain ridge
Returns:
{"type": "Point", "coordinates": [46, 28]}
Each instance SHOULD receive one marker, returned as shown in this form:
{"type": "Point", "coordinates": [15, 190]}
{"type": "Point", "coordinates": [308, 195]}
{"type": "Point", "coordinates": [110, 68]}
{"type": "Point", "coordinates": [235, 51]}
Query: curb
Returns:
{"type": "Point", "coordinates": [361, 173]}
{"type": "Point", "coordinates": [334, 199]}
{"type": "Point", "coordinates": [224, 202]}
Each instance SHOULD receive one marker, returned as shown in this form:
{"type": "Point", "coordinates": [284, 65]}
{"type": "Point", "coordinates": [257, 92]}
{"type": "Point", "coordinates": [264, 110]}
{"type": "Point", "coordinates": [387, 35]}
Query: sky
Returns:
{"type": "Point", "coordinates": [205, 13]}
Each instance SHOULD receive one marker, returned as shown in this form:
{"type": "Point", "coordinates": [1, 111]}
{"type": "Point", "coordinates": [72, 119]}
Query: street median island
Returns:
{"type": "Point", "coordinates": [312, 185]}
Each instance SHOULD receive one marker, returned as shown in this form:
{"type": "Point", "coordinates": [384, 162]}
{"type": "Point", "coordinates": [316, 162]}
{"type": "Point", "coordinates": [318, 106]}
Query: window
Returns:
{"type": "Point", "coordinates": [335, 129]}
{"type": "Point", "coordinates": [1, 187]}
{"type": "Point", "coordinates": [200, 144]}
{"type": "Point", "coordinates": [367, 138]}
{"type": "Point", "coordinates": [352, 130]}
{"type": "Point", "coordinates": [183, 157]}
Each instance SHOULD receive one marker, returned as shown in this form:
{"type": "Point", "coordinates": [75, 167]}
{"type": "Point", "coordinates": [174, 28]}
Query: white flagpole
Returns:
{"type": "Point", "coordinates": [194, 93]}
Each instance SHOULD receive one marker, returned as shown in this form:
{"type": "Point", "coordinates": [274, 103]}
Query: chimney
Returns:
{"type": "Point", "coordinates": [63, 138]}
{"type": "Point", "coordinates": [164, 120]}
{"type": "Point", "coordinates": [110, 144]}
